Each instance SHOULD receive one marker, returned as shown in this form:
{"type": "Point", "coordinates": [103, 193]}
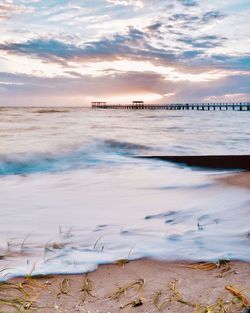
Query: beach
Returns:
{"type": "Point", "coordinates": [72, 206]}
{"type": "Point", "coordinates": [137, 286]}
{"type": "Point", "coordinates": [124, 156]}
{"type": "Point", "coordinates": [143, 285]}
{"type": "Point", "coordinates": [238, 179]}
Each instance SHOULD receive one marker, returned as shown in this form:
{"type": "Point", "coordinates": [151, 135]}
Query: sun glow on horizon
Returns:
{"type": "Point", "coordinates": [123, 99]}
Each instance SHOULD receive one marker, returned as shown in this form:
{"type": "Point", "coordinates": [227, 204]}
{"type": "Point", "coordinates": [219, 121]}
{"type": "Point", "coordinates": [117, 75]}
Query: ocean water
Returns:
{"type": "Point", "coordinates": [73, 193]}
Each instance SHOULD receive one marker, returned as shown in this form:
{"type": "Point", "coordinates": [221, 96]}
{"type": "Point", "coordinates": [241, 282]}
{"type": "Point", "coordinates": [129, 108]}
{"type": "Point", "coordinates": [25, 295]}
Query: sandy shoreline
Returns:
{"type": "Point", "coordinates": [138, 286]}
{"type": "Point", "coordinates": [238, 179]}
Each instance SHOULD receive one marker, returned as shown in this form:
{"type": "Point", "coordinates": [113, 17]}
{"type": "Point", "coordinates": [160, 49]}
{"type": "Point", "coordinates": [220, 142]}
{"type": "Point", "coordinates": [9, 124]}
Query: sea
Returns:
{"type": "Point", "coordinates": [74, 194]}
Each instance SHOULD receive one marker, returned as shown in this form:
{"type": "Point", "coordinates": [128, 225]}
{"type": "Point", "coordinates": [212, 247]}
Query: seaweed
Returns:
{"type": "Point", "coordinates": [238, 293]}
{"type": "Point", "coordinates": [133, 304]}
{"type": "Point", "coordinates": [86, 288]}
{"type": "Point", "coordinates": [63, 287]}
{"type": "Point", "coordinates": [136, 285]}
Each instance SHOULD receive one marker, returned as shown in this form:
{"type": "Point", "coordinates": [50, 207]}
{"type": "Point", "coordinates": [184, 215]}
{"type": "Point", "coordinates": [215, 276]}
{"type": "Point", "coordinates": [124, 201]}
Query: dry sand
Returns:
{"type": "Point", "coordinates": [179, 289]}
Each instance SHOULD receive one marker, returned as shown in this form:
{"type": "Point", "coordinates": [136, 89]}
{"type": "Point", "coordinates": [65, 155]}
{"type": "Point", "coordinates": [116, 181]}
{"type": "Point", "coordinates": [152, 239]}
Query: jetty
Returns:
{"type": "Point", "coordinates": [227, 162]}
{"type": "Point", "coordinates": [140, 105]}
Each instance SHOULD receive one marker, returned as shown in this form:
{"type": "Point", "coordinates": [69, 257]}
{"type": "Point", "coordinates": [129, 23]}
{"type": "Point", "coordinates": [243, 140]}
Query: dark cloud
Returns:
{"type": "Point", "coordinates": [237, 62]}
{"type": "Point", "coordinates": [73, 73]}
{"type": "Point", "coordinates": [55, 50]}
{"type": "Point", "coordinates": [206, 18]}
{"type": "Point", "coordinates": [184, 17]}
{"type": "Point", "coordinates": [155, 27]}
{"type": "Point", "coordinates": [133, 45]}
{"type": "Point", "coordinates": [193, 20]}
{"type": "Point", "coordinates": [189, 54]}
{"type": "Point", "coordinates": [211, 16]}
{"type": "Point", "coordinates": [203, 41]}
{"type": "Point", "coordinates": [49, 49]}
{"type": "Point", "coordinates": [189, 3]}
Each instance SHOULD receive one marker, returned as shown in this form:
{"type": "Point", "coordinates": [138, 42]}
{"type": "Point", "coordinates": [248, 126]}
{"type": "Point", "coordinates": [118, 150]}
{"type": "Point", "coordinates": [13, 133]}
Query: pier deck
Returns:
{"type": "Point", "coordinates": [237, 106]}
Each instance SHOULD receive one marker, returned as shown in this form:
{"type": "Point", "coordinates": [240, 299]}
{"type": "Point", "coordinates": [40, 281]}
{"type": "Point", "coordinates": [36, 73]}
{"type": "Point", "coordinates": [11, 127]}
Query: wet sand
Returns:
{"type": "Point", "coordinates": [138, 286]}
{"type": "Point", "coordinates": [238, 179]}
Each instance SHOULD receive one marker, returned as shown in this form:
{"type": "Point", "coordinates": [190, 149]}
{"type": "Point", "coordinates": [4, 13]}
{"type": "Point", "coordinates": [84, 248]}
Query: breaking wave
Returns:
{"type": "Point", "coordinates": [98, 152]}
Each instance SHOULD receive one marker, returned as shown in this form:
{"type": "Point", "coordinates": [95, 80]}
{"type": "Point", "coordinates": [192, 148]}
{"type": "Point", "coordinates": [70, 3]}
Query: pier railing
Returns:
{"type": "Point", "coordinates": [236, 106]}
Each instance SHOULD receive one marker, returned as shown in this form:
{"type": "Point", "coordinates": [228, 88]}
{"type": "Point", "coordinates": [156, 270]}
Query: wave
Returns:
{"type": "Point", "coordinates": [105, 151]}
{"type": "Point", "coordinates": [41, 111]}
{"type": "Point", "coordinates": [124, 146]}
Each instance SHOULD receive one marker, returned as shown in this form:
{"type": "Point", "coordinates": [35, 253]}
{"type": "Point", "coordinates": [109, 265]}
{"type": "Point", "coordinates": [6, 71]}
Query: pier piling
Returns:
{"type": "Point", "coordinates": [139, 105]}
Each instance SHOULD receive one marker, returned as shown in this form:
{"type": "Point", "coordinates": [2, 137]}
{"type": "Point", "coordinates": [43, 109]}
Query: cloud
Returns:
{"type": "Point", "coordinates": [49, 49]}
{"type": "Point", "coordinates": [32, 90]}
{"type": "Point", "coordinates": [205, 18]}
{"type": "Point", "coordinates": [229, 62]}
{"type": "Point", "coordinates": [134, 44]}
{"type": "Point", "coordinates": [209, 41]}
{"type": "Point", "coordinates": [189, 3]}
{"type": "Point", "coordinates": [211, 16]}
{"type": "Point", "coordinates": [8, 9]}
{"type": "Point", "coordinates": [172, 39]}
{"type": "Point", "coordinates": [160, 41]}
{"type": "Point", "coordinates": [142, 3]}
{"type": "Point", "coordinates": [155, 27]}
{"type": "Point", "coordinates": [136, 3]}
{"type": "Point", "coordinates": [231, 97]}
{"type": "Point", "coordinates": [232, 84]}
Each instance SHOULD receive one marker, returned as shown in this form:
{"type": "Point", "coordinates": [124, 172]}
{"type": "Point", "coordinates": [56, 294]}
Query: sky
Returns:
{"type": "Point", "coordinates": [61, 52]}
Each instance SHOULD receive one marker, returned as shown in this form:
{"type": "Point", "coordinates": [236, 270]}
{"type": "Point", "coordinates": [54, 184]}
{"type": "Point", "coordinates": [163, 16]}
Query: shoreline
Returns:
{"type": "Point", "coordinates": [138, 286]}
{"type": "Point", "coordinates": [239, 179]}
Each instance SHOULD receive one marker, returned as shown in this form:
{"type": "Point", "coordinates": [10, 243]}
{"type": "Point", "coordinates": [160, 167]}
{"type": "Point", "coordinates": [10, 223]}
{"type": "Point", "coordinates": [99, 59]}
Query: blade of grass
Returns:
{"type": "Point", "coordinates": [136, 285]}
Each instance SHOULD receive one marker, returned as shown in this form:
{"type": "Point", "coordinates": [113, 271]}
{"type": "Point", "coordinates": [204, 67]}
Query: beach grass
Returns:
{"type": "Point", "coordinates": [162, 293]}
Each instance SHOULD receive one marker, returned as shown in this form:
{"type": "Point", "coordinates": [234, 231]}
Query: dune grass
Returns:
{"type": "Point", "coordinates": [86, 289]}
{"type": "Point", "coordinates": [21, 296]}
{"type": "Point", "coordinates": [136, 286]}
{"type": "Point", "coordinates": [63, 287]}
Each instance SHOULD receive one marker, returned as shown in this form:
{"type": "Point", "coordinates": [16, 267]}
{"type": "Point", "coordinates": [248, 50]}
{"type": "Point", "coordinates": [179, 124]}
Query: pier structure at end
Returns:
{"type": "Point", "coordinates": [98, 104]}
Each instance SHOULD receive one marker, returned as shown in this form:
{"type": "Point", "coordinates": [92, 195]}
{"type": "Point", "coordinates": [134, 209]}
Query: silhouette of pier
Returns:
{"type": "Point", "coordinates": [139, 105]}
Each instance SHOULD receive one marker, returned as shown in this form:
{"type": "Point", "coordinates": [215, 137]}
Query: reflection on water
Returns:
{"type": "Point", "coordinates": [72, 195]}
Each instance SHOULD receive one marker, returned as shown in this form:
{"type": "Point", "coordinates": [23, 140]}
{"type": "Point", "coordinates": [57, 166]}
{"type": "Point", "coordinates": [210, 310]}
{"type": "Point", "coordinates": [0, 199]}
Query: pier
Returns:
{"type": "Point", "coordinates": [139, 105]}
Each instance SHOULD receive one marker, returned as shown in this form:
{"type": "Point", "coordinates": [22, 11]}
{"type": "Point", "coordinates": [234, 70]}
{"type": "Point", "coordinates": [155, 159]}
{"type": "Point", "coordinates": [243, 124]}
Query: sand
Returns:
{"type": "Point", "coordinates": [159, 286]}
{"type": "Point", "coordinates": [238, 179]}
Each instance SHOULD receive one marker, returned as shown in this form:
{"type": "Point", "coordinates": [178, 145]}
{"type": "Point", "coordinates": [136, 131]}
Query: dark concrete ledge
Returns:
{"type": "Point", "coordinates": [240, 162]}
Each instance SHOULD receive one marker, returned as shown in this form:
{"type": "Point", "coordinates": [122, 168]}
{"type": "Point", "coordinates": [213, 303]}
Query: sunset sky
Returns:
{"type": "Point", "coordinates": [61, 52]}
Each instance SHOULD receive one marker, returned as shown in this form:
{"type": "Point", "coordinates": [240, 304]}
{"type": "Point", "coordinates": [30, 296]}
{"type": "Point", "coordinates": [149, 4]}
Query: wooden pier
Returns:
{"type": "Point", "coordinates": [139, 105]}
